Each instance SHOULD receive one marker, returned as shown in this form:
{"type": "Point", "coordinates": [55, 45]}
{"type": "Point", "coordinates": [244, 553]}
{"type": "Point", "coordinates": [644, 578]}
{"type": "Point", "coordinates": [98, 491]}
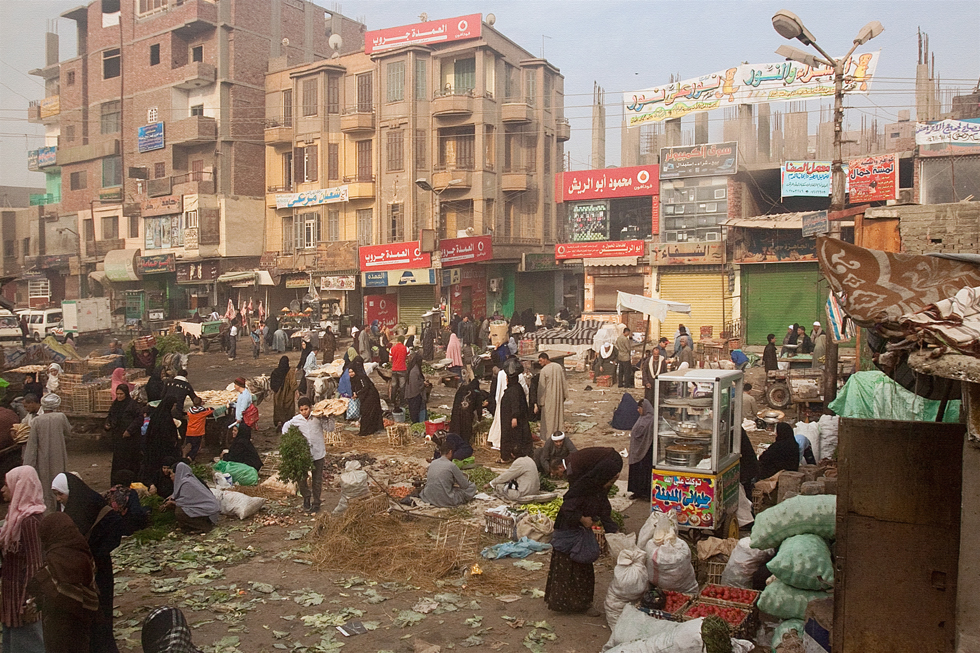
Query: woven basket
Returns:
{"type": "Point", "coordinates": [502, 525]}
{"type": "Point", "coordinates": [399, 434]}
{"type": "Point", "coordinates": [103, 401]}
{"type": "Point", "coordinates": [336, 438]}
{"type": "Point", "coordinates": [460, 536]}
{"type": "Point", "coordinates": [740, 630]}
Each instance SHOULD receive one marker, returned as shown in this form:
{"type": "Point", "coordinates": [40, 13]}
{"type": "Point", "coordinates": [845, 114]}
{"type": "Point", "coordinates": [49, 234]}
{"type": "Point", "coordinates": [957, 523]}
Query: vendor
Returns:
{"type": "Point", "coordinates": [462, 451]}
{"type": "Point", "coordinates": [605, 363]}
{"type": "Point", "coordinates": [782, 455]}
{"type": "Point", "coordinates": [445, 485]}
{"type": "Point", "coordinates": [518, 482]}
{"type": "Point", "coordinates": [556, 448]}
{"type": "Point", "coordinates": [194, 504]}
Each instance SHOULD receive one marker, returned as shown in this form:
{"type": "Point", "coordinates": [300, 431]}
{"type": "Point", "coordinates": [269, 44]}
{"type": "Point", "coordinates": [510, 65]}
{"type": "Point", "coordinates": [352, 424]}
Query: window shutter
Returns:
{"type": "Point", "coordinates": [299, 167]}
{"type": "Point", "coordinates": [311, 162]}
{"type": "Point", "coordinates": [298, 226]}
{"type": "Point", "coordinates": [316, 230]}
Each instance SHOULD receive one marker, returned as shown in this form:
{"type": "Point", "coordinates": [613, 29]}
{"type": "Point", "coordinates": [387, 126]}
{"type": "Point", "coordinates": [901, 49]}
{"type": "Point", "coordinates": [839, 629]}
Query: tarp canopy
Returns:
{"type": "Point", "coordinates": [653, 307]}
{"type": "Point", "coordinates": [872, 395]}
{"type": "Point", "coordinates": [121, 265]}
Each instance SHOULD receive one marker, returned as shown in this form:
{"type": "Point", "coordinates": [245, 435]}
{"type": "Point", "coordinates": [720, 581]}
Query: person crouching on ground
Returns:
{"type": "Point", "coordinates": [194, 504]}
{"type": "Point", "coordinates": [518, 482]}
{"type": "Point", "coordinates": [312, 429]}
{"type": "Point", "coordinates": [445, 485]}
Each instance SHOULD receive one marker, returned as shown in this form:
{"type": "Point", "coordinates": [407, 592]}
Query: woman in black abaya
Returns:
{"type": "Point", "coordinates": [161, 442]}
{"type": "Point", "coordinates": [515, 428]}
{"type": "Point", "coordinates": [372, 420]}
{"type": "Point", "coordinates": [467, 407]}
{"type": "Point", "coordinates": [125, 444]}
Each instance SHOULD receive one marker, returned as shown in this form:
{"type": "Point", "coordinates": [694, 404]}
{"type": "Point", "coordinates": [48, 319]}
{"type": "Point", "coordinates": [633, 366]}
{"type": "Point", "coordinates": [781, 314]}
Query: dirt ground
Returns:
{"type": "Point", "coordinates": [248, 585]}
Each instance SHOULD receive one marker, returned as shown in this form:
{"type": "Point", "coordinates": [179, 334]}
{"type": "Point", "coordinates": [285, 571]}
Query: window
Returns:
{"type": "Point", "coordinates": [197, 170]}
{"type": "Point", "coordinates": [287, 170]}
{"type": "Point", "coordinates": [110, 6]}
{"type": "Point", "coordinates": [287, 108]}
{"type": "Point", "coordinates": [111, 171]}
{"type": "Point", "coordinates": [78, 180]}
{"type": "Point", "coordinates": [364, 166]}
{"type": "Point", "coordinates": [159, 170]}
{"type": "Point", "coordinates": [110, 63]}
{"type": "Point", "coordinates": [529, 86]}
{"type": "Point", "coordinates": [111, 112]}
{"type": "Point", "coordinates": [420, 147]}
{"type": "Point", "coordinates": [333, 225]}
{"type": "Point", "coordinates": [396, 150]}
{"type": "Point", "coordinates": [69, 133]}
{"type": "Point", "coordinates": [9, 248]}
{"type": "Point", "coordinates": [548, 83]}
{"type": "Point", "coordinates": [396, 223]}
{"type": "Point", "coordinates": [26, 247]}
{"type": "Point", "coordinates": [154, 54]}
{"type": "Point", "coordinates": [110, 227]}
{"type": "Point", "coordinates": [197, 53]}
{"type": "Point", "coordinates": [489, 145]}
{"type": "Point", "coordinates": [70, 78]}
{"type": "Point", "coordinates": [365, 93]}
{"type": "Point", "coordinates": [288, 235]}
{"type": "Point", "coordinates": [395, 72]}
{"type": "Point", "coordinates": [546, 223]}
{"type": "Point", "coordinates": [306, 230]}
{"type": "Point", "coordinates": [197, 110]}
{"type": "Point", "coordinates": [512, 88]}
{"type": "Point", "coordinates": [134, 226]}
{"type": "Point", "coordinates": [420, 81]}
{"type": "Point", "coordinates": [151, 5]}
{"type": "Point", "coordinates": [457, 148]}
{"type": "Point", "coordinates": [309, 97]}
{"type": "Point", "coordinates": [152, 114]}
{"type": "Point", "coordinates": [333, 94]}
{"type": "Point", "coordinates": [364, 226]}
{"type": "Point", "coordinates": [306, 164]}
{"type": "Point", "coordinates": [88, 229]}
{"type": "Point", "coordinates": [547, 155]}
{"type": "Point", "coordinates": [333, 161]}
{"type": "Point", "coordinates": [191, 219]}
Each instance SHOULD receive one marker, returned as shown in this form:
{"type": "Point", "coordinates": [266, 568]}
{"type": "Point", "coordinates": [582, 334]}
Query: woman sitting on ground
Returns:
{"type": "Point", "coordinates": [194, 505]}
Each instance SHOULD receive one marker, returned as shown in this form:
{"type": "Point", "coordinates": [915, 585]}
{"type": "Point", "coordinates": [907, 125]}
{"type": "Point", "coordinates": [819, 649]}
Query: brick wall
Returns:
{"type": "Point", "coordinates": [948, 228]}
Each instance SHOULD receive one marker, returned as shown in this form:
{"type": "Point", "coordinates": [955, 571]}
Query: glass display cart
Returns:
{"type": "Point", "coordinates": [696, 448]}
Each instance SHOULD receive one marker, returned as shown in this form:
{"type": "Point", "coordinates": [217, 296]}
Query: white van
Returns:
{"type": "Point", "coordinates": [9, 328]}
{"type": "Point", "coordinates": [41, 322]}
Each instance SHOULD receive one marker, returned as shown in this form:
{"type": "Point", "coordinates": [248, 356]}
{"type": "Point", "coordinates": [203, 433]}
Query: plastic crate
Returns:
{"type": "Point", "coordinates": [740, 630]}
{"type": "Point", "coordinates": [728, 604]}
{"type": "Point", "coordinates": [502, 525]}
{"type": "Point", "coordinates": [663, 614]}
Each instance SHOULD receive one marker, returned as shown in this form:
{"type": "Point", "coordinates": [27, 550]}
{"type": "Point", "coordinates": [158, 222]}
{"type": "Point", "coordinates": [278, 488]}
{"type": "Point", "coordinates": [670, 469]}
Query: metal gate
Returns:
{"type": "Point", "coordinates": [774, 296]}
{"type": "Point", "coordinates": [413, 301]}
{"type": "Point", "coordinates": [706, 292]}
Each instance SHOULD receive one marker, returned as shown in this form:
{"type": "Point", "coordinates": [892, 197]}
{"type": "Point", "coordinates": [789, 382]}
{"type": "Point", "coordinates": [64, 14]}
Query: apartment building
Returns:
{"type": "Point", "coordinates": [445, 129]}
{"type": "Point", "coordinates": [154, 157]}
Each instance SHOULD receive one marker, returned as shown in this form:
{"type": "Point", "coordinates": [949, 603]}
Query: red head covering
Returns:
{"type": "Point", "coordinates": [26, 498]}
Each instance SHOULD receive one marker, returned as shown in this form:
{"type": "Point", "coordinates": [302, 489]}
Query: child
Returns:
{"type": "Point", "coordinates": [312, 429]}
{"type": "Point", "coordinates": [197, 418]}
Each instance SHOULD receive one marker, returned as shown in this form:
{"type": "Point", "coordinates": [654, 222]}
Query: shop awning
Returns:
{"type": "Point", "coordinates": [265, 279]}
{"type": "Point", "coordinates": [648, 306]}
{"type": "Point", "coordinates": [99, 277]}
{"type": "Point", "coordinates": [775, 221]}
{"type": "Point", "coordinates": [248, 276]}
{"type": "Point", "coordinates": [122, 265]}
{"type": "Point", "coordinates": [610, 261]}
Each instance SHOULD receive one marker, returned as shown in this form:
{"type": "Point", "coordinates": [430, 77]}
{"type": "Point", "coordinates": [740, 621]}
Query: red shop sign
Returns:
{"type": "Point", "coordinates": [394, 256]}
{"type": "Point", "coordinates": [457, 251]}
{"type": "Point", "coordinates": [383, 308]}
{"type": "Point", "coordinates": [446, 30]}
{"type": "Point", "coordinates": [601, 249]}
{"type": "Point", "coordinates": [605, 183]}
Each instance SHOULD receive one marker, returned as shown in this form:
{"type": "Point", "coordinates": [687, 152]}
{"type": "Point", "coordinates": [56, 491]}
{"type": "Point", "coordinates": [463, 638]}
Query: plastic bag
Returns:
{"type": "Point", "coordinates": [223, 480]}
{"type": "Point", "coordinates": [803, 561]}
{"type": "Point", "coordinates": [353, 484]}
{"type": "Point", "coordinates": [744, 514]}
{"type": "Point", "coordinates": [618, 542]}
{"type": "Point", "coordinates": [353, 410]}
{"type": "Point", "coordinates": [743, 563]}
{"type": "Point", "coordinates": [241, 473]}
{"type": "Point", "coordinates": [658, 527]}
{"type": "Point", "coordinates": [669, 565]}
{"type": "Point", "coordinates": [628, 584]}
{"type": "Point", "coordinates": [535, 527]}
{"type": "Point", "coordinates": [236, 504]}
{"type": "Point", "coordinates": [636, 632]}
{"type": "Point", "coordinates": [783, 628]}
{"type": "Point", "coordinates": [828, 437]}
{"type": "Point", "coordinates": [787, 602]}
{"type": "Point", "coordinates": [795, 516]}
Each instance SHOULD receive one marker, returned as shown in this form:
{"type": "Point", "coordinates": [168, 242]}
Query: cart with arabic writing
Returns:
{"type": "Point", "coordinates": [696, 449]}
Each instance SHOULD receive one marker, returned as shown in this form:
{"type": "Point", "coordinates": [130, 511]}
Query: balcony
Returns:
{"type": "Point", "coordinates": [195, 75]}
{"type": "Point", "coordinates": [516, 113]}
{"type": "Point", "coordinates": [190, 17]}
{"type": "Point", "coordinates": [191, 183]}
{"type": "Point", "coordinates": [193, 130]}
{"type": "Point", "coordinates": [515, 180]}
{"type": "Point", "coordinates": [453, 104]}
{"type": "Point", "coordinates": [563, 131]}
{"type": "Point", "coordinates": [355, 122]}
{"type": "Point", "coordinates": [461, 179]}
{"type": "Point", "coordinates": [159, 187]}
{"type": "Point", "coordinates": [360, 188]}
{"type": "Point", "coordinates": [43, 199]}
{"type": "Point", "coordinates": [44, 111]}
{"type": "Point", "coordinates": [66, 156]}
{"type": "Point", "coordinates": [99, 248]}
{"type": "Point", "coordinates": [277, 133]}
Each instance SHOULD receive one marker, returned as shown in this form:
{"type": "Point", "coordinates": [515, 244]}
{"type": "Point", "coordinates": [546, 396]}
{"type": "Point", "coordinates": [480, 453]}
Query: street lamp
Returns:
{"type": "Point", "coordinates": [789, 26]}
{"type": "Point", "coordinates": [424, 184]}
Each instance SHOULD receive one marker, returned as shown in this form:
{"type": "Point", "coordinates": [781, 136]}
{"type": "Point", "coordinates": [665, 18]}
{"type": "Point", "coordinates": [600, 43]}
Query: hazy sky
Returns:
{"type": "Point", "coordinates": [623, 46]}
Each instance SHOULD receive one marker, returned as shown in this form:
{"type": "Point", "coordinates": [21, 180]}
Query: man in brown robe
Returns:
{"type": "Point", "coordinates": [551, 396]}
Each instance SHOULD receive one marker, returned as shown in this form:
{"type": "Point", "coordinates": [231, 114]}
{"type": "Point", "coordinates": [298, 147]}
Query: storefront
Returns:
{"type": "Point", "coordinates": [162, 298]}
{"type": "Point", "coordinates": [120, 278]}
{"type": "Point", "coordinates": [707, 288]}
{"type": "Point", "coordinates": [398, 282]}
{"type": "Point", "coordinates": [609, 267]}
{"type": "Point", "coordinates": [336, 291]}
{"type": "Point", "coordinates": [610, 203]}
{"type": "Point", "coordinates": [464, 274]}
{"type": "Point", "coordinates": [199, 282]}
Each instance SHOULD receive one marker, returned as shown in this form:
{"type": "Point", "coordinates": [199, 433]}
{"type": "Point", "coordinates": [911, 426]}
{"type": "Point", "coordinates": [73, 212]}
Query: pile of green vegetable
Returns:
{"type": "Point", "coordinates": [550, 509]}
{"type": "Point", "coordinates": [295, 461]}
{"type": "Point", "coordinates": [161, 522]}
{"type": "Point", "coordinates": [480, 476]}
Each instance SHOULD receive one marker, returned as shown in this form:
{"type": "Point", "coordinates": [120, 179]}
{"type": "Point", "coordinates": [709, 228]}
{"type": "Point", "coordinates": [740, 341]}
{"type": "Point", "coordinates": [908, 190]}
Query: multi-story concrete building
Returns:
{"type": "Point", "coordinates": [154, 154]}
{"type": "Point", "coordinates": [445, 126]}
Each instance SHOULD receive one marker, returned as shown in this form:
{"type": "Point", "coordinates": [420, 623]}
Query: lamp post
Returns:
{"type": "Point", "coordinates": [789, 26]}
{"type": "Point", "coordinates": [424, 184]}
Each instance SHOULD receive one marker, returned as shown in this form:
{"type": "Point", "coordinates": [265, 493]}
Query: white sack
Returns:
{"type": "Point", "coordinates": [628, 584]}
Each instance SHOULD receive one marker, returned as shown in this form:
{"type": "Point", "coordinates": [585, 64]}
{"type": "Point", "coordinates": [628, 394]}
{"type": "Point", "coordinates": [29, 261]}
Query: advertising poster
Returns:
{"type": "Point", "coordinates": [873, 178]}
{"type": "Point", "coordinates": [394, 256]}
{"type": "Point", "coordinates": [383, 308]}
{"type": "Point", "coordinates": [446, 30]}
{"type": "Point", "coordinates": [606, 249]}
{"type": "Point", "coordinates": [805, 179]}
{"type": "Point", "coordinates": [588, 222]}
{"type": "Point", "coordinates": [689, 496]}
{"type": "Point", "coordinates": [699, 160]}
{"type": "Point", "coordinates": [607, 183]}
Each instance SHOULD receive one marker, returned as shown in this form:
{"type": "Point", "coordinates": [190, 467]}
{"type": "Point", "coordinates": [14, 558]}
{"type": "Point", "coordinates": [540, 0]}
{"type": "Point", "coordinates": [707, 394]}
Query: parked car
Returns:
{"type": "Point", "coordinates": [9, 328]}
{"type": "Point", "coordinates": [41, 322]}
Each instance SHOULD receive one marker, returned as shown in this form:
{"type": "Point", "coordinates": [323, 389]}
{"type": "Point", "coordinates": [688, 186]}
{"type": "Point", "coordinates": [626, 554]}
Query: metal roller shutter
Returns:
{"type": "Point", "coordinates": [606, 289]}
{"type": "Point", "coordinates": [776, 295]}
{"type": "Point", "coordinates": [706, 292]}
{"type": "Point", "coordinates": [413, 301]}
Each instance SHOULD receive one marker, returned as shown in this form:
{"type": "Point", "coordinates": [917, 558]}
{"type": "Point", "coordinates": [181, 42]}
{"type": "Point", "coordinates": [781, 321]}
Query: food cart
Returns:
{"type": "Point", "coordinates": [205, 333]}
{"type": "Point", "coordinates": [696, 448]}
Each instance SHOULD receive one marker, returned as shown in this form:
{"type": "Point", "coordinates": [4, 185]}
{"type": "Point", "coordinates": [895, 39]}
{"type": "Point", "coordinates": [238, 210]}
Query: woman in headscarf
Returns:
{"type": "Point", "coordinates": [279, 340]}
{"type": "Point", "coordinates": [241, 449]}
{"type": "Point", "coordinates": [415, 388]}
{"type": "Point", "coordinates": [305, 352]}
{"type": "Point", "coordinates": [103, 529]}
{"type": "Point", "coordinates": [31, 386]}
{"type": "Point", "coordinates": [571, 584]}
{"type": "Point", "coordinates": [118, 379]}
{"type": "Point", "coordinates": [371, 417]}
{"type": "Point", "coordinates": [654, 365]}
{"type": "Point", "coordinates": [512, 346]}
{"type": "Point", "coordinates": [641, 453]}
{"type": "Point", "coordinates": [144, 358]}
{"type": "Point", "coordinates": [783, 454]}
{"type": "Point", "coordinates": [194, 504]}
{"type": "Point", "coordinates": [155, 386]}
{"type": "Point", "coordinates": [166, 631]}
{"type": "Point", "coordinates": [454, 352]}
{"type": "Point", "coordinates": [364, 344]}
{"type": "Point", "coordinates": [272, 325]}
{"type": "Point", "coordinates": [54, 378]}
{"type": "Point", "coordinates": [65, 587]}
{"type": "Point", "coordinates": [283, 384]}
{"type": "Point", "coordinates": [515, 427]}
{"type": "Point", "coordinates": [161, 442]}
{"type": "Point", "coordinates": [125, 444]}
{"type": "Point", "coordinates": [467, 408]}
{"type": "Point", "coordinates": [20, 540]}
{"type": "Point", "coordinates": [428, 341]}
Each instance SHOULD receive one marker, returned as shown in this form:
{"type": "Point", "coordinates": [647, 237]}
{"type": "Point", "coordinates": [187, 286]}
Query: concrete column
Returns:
{"type": "Point", "coordinates": [672, 131]}
{"type": "Point", "coordinates": [795, 136]}
{"type": "Point", "coordinates": [629, 149]}
{"type": "Point", "coordinates": [746, 134]}
{"type": "Point", "coordinates": [701, 128]}
{"type": "Point", "coordinates": [762, 134]}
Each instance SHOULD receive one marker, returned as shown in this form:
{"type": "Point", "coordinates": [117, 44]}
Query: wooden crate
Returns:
{"type": "Point", "coordinates": [502, 525]}
{"type": "Point", "coordinates": [104, 365]}
{"type": "Point", "coordinates": [103, 401]}
{"type": "Point", "coordinates": [604, 381]}
{"type": "Point", "coordinates": [336, 438]}
{"type": "Point", "coordinates": [399, 434]}
{"type": "Point", "coordinates": [460, 536]}
{"type": "Point", "coordinates": [134, 373]}
{"type": "Point", "coordinates": [741, 630]}
{"type": "Point", "coordinates": [75, 366]}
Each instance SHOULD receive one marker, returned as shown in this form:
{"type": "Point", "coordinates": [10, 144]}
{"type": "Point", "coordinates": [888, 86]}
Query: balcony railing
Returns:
{"type": "Point", "coordinates": [43, 199]}
{"type": "Point", "coordinates": [101, 247]}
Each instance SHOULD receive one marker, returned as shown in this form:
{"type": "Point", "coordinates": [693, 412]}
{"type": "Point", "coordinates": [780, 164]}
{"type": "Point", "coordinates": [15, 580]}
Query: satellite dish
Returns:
{"type": "Point", "coordinates": [335, 42]}
{"type": "Point", "coordinates": [285, 43]}
{"type": "Point", "coordinates": [491, 19]}
{"type": "Point", "coordinates": [424, 17]}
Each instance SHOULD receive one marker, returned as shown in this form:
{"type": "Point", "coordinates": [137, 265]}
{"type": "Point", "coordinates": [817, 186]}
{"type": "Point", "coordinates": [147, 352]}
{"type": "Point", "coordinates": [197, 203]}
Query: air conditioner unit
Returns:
{"type": "Point", "coordinates": [905, 196]}
{"type": "Point", "coordinates": [497, 284]}
{"type": "Point", "coordinates": [671, 237]}
{"type": "Point", "coordinates": [712, 236]}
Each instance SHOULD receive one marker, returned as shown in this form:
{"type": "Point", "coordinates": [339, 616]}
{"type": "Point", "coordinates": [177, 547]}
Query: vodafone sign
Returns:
{"type": "Point", "coordinates": [457, 251]}
{"type": "Point", "coordinates": [394, 256]}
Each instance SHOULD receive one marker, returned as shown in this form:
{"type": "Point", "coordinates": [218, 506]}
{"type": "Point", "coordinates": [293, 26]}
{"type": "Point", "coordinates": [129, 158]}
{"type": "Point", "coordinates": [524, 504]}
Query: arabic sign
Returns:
{"type": "Point", "coordinates": [771, 246]}
{"type": "Point", "coordinates": [873, 178]}
{"type": "Point", "coordinates": [383, 308]}
{"type": "Point", "coordinates": [687, 254]}
{"type": "Point", "coordinates": [805, 179]}
{"type": "Point", "coordinates": [605, 249]}
{"type": "Point", "coordinates": [588, 222]}
{"type": "Point", "coordinates": [815, 223]}
{"type": "Point", "coordinates": [425, 277]}
{"type": "Point", "coordinates": [166, 205]}
{"type": "Point", "coordinates": [312, 197]}
{"type": "Point", "coordinates": [947, 131]}
{"type": "Point", "coordinates": [42, 158]}
{"type": "Point", "coordinates": [691, 497]}
{"type": "Point", "coordinates": [539, 262]}
{"type": "Point", "coordinates": [606, 183]}
{"type": "Point", "coordinates": [699, 160]}
{"type": "Point", "coordinates": [746, 84]}
{"type": "Point", "coordinates": [342, 282]}
{"type": "Point", "coordinates": [150, 137]}
{"type": "Point", "coordinates": [157, 264]}
{"type": "Point", "coordinates": [50, 106]}
{"type": "Point", "coordinates": [394, 256]}
{"type": "Point", "coordinates": [201, 272]}
{"type": "Point", "coordinates": [457, 251]}
{"type": "Point", "coordinates": [296, 281]}
{"type": "Point", "coordinates": [191, 238]}
{"type": "Point", "coordinates": [446, 30]}
{"type": "Point", "coordinates": [374, 279]}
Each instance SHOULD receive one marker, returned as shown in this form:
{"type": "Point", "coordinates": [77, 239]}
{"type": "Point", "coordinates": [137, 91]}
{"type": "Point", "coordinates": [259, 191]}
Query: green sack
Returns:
{"type": "Point", "coordinates": [795, 516]}
{"type": "Point", "coordinates": [783, 628]}
{"type": "Point", "coordinates": [241, 473]}
{"type": "Point", "coordinates": [786, 602]}
{"type": "Point", "coordinates": [804, 561]}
